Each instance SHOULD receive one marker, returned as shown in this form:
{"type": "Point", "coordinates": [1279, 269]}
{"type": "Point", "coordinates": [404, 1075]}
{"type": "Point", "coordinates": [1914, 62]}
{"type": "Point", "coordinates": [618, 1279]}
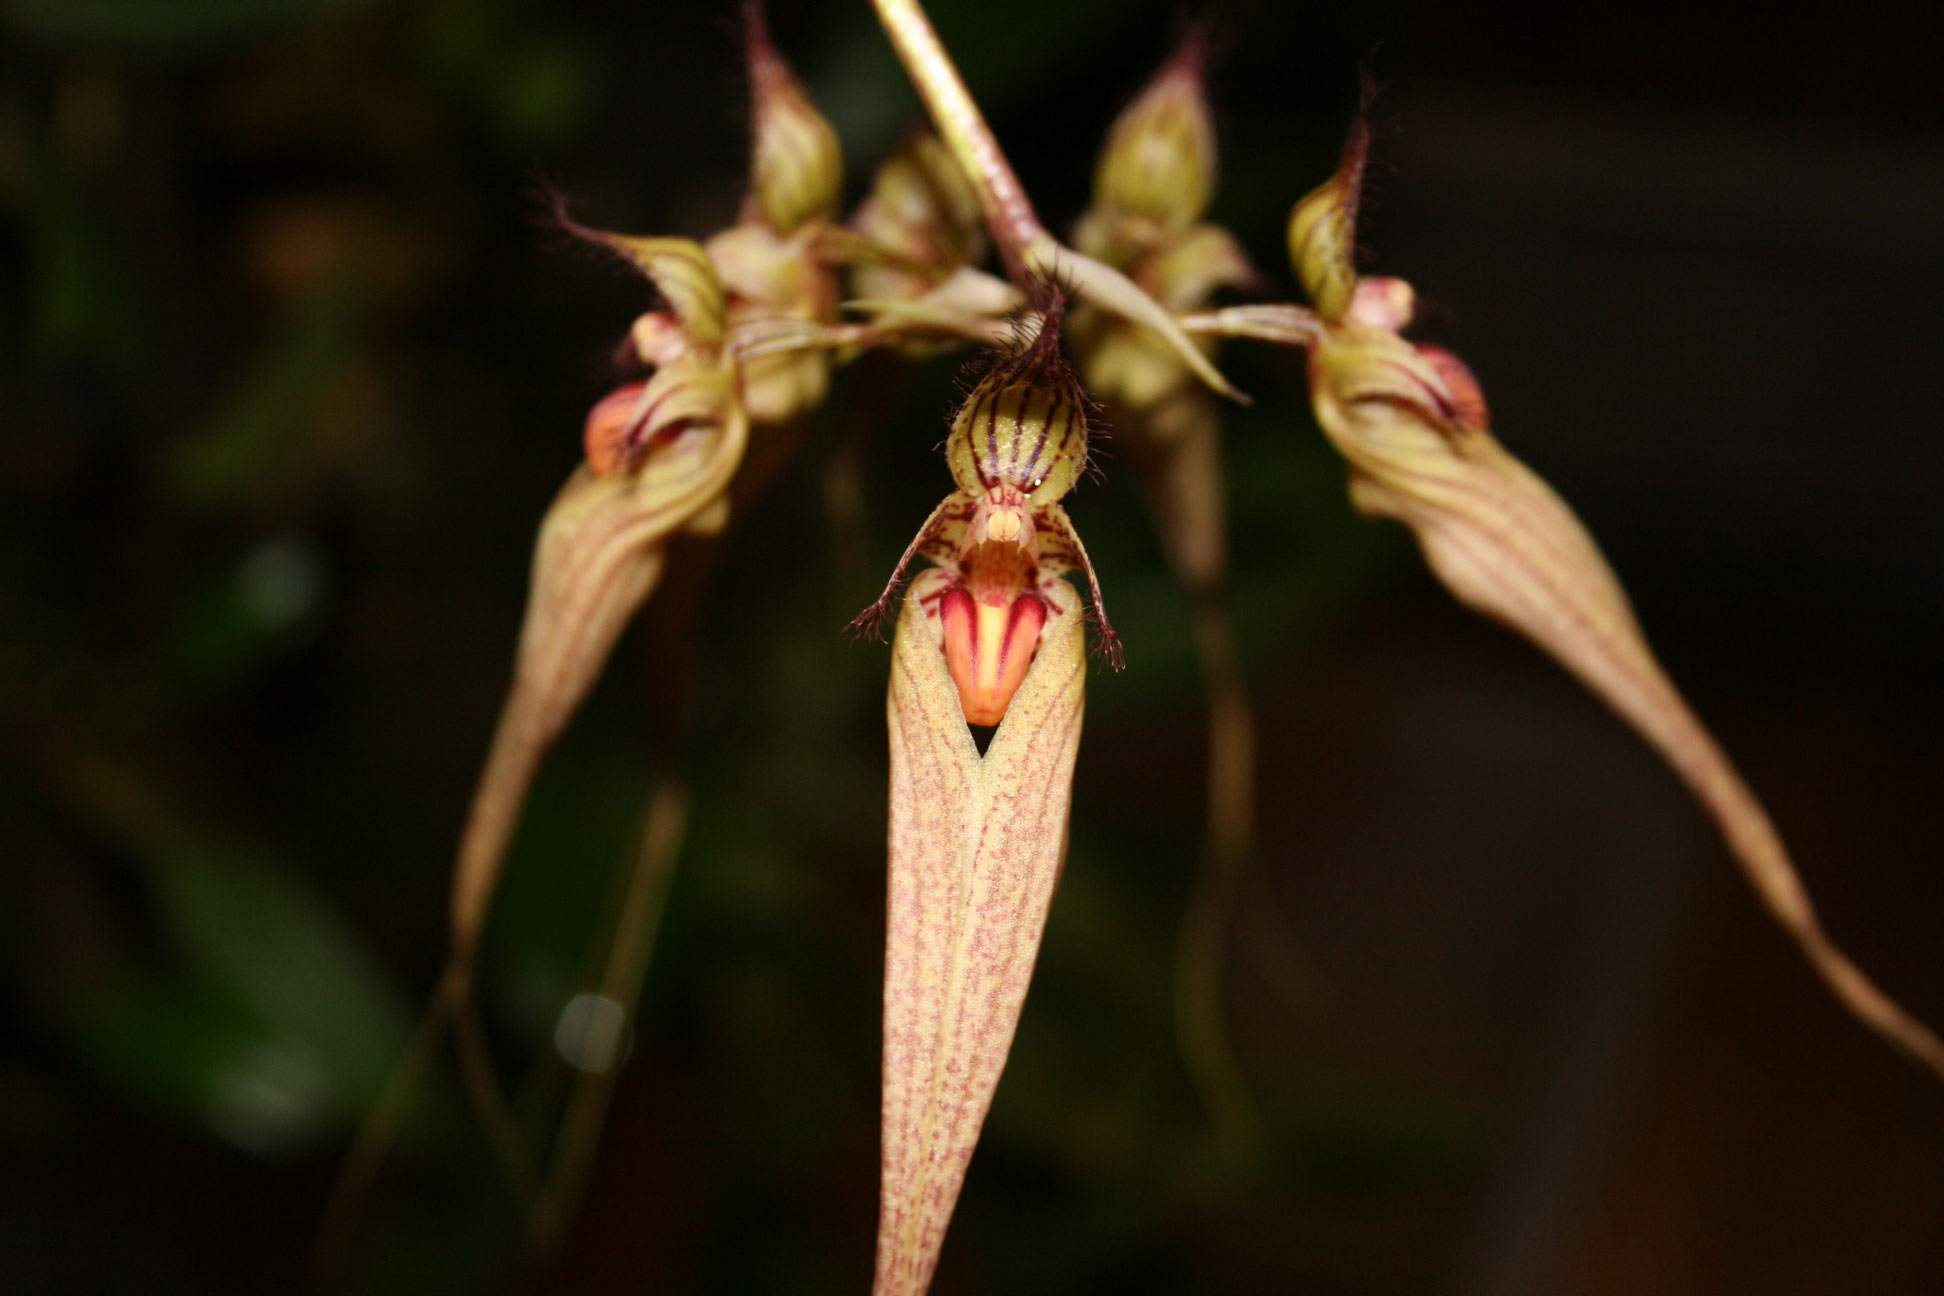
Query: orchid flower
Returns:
{"type": "Point", "coordinates": [993, 637]}
{"type": "Point", "coordinates": [739, 352]}
{"type": "Point", "coordinates": [1412, 424]}
{"type": "Point", "coordinates": [659, 459]}
{"type": "Point", "coordinates": [990, 636]}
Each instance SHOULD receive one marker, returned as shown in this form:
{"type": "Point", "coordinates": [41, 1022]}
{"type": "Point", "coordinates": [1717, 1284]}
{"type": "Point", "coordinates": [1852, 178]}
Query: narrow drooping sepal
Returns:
{"type": "Point", "coordinates": [597, 559]}
{"type": "Point", "coordinates": [1099, 284]}
{"type": "Point", "coordinates": [976, 847]}
{"type": "Point", "coordinates": [1412, 425]}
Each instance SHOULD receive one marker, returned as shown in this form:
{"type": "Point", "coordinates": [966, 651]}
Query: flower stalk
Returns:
{"type": "Point", "coordinates": [1152, 186]}
{"type": "Point", "coordinates": [1008, 211]}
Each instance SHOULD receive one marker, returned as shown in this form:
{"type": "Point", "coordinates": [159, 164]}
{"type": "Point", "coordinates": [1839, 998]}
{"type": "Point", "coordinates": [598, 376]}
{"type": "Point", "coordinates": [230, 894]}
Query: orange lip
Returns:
{"type": "Point", "coordinates": [988, 647]}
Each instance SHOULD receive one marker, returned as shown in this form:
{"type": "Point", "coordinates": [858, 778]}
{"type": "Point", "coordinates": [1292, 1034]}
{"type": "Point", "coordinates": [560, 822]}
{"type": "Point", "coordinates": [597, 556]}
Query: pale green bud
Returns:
{"type": "Point", "coordinates": [1158, 165]}
{"type": "Point", "coordinates": [797, 171]}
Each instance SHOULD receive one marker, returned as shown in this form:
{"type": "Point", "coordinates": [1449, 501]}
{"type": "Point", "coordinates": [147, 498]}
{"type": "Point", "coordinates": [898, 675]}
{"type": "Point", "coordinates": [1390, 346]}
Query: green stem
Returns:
{"type": "Point", "coordinates": [489, 1099]}
{"type": "Point", "coordinates": [627, 966]}
{"type": "Point", "coordinates": [331, 1248]}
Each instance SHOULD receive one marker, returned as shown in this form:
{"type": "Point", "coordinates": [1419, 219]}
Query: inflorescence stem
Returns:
{"type": "Point", "coordinates": [1008, 211]}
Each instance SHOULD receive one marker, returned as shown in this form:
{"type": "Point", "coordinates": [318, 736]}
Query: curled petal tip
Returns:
{"type": "Point", "coordinates": [1466, 407]}
{"type": "Point", "coordinates": [611, 438]}
{"type": "Point", "coordinates": [626, 425]}
{"type": "Point", "coordinates": [1323, 231]}
{"type": "Point", "coordinates": [1107, 643]}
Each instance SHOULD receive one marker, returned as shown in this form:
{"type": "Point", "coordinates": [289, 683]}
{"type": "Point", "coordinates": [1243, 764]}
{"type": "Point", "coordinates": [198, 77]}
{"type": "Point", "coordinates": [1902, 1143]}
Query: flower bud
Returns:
{"type": "Point", "coordinates": [1126, 367]}
{"type": "Point", "coordinates": [797, 167]}
{"type": "Point", "coordinates": [1183, 275]}
{"type": "Point", "coordinates": [1323, 232]}
{"type": "Point", "coordinates": [1158, 165]}
{"type": "Point", "coordinates": [770, 278]}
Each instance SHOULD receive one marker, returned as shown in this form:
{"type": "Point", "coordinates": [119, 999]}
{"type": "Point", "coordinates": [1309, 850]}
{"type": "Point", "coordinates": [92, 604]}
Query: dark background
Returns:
{"type": "Point", "coordinates": [289, 368]}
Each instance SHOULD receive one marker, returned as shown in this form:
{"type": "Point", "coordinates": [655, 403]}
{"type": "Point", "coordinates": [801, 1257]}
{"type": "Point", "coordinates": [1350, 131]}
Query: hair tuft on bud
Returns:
{"type": "Point", "coordinates": [556, 216]}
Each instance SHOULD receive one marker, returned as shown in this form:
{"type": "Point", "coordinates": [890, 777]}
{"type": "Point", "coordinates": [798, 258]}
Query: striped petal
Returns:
{"type": "Point", "coordinates": [683, 274]}
{"type": "Point", "coordinates": [1323, 231]}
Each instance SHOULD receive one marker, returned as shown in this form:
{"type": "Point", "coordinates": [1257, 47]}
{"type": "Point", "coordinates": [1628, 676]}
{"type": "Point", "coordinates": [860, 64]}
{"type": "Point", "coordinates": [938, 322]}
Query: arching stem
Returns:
{"type": "Point", "coordinates": [1008, 212]}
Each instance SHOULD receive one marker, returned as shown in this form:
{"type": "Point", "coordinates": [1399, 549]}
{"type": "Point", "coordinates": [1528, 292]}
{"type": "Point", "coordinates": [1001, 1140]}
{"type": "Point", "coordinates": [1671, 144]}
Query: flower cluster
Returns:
{"type": "Point", "coordinates": [740, 347]}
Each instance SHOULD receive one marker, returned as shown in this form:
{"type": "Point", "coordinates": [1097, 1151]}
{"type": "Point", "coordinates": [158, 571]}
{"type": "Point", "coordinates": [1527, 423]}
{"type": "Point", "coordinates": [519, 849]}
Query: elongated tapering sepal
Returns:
{"type": "Point", "coordinates": [1413, 427]}
{"type": "Point", "coordinates": [597, 559]}
{"type": "Point", "coordinates": [977, 844]}
{"type": "Point", "coordinates": [1099, 284]}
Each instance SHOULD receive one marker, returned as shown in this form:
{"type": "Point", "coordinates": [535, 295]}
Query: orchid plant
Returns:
{"type": "Point", "coordinates": [990, 643]}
